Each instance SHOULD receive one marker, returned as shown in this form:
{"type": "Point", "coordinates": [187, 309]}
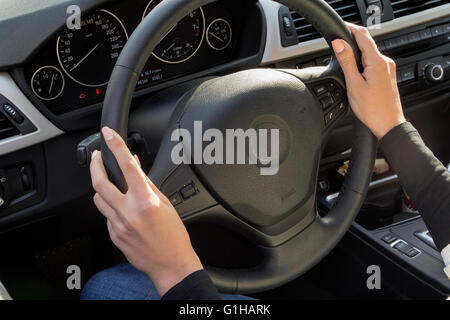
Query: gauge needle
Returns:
{"type": "Point", "coordinates": [218, 38]}
{"type": "Point", "coordinates": [173, 44]}
{"type": "Point", "coordinates": [84, 58]}
{"type": "Point", "coordinates": [51, 84]}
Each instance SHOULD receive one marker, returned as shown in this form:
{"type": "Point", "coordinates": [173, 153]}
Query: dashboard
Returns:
{"type": "Point", "coordinates": [72, 70]}
{"type": "Point", "coordinates": [53, 81]}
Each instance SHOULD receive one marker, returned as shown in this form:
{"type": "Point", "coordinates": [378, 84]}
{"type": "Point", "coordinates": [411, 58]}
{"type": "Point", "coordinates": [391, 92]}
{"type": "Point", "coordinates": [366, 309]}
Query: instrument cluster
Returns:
{"type": "Point", "coordinates": [73, 70]}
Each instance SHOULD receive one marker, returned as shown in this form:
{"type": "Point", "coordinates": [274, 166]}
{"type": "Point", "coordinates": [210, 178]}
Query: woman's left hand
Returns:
{"type": "Point", "coordinates": [142, 223]}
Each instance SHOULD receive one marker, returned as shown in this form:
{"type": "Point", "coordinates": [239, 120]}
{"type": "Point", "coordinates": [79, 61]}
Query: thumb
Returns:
{"type": "Point", "coordinates": [346, 58]}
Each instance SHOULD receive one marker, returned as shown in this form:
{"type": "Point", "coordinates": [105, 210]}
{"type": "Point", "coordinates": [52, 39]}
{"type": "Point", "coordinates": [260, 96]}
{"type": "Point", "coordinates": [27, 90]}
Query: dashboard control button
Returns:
{"type": "Point", "coordinates": [446, 28]}
{"type": "Point", "coordinates": [425, 34]}
{"type": "Point", "coordinates": [414, 37]}
{"type": "Point", "coordinates": [403, 40]}
{"type": "Point", "coordinates": [408, 74]}
{"type": "Point", "coordinates": [437, 31]}
{"type": "Point", "coordinates": [175, 199]}
{"type": "Point", "coordinates": [188, 191]}
{"type": "Point", "coordinates": [321, 89]}
{"type": "Point", "coordinates": [326, 102]}
{"type": "Point", "coordinates": [12, 112]}
{"type": "Point", "coordinates": [434, 72]}
{"type": "Point", "coordinates": [381, 45]}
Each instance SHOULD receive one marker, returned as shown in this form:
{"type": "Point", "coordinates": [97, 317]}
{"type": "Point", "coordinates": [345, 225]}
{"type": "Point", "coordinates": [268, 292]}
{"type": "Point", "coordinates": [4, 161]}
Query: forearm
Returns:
{"type": "Point", "coordinates": [424, 178]}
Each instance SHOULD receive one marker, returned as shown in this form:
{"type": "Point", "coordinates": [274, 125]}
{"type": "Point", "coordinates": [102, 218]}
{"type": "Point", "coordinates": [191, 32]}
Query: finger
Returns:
{"type": "Point", "coordinates": [346, 58]}
{"type": "Point", "coordinates": [137, 160]}
{"type": "Point", "coordinates": [104, 208]}
{"type": "Point", "coordinates": [366, 43]}
{"type": "Point", "coordinates": [101, 183]}
{"type": "Point", "coordinates": [127, 163]}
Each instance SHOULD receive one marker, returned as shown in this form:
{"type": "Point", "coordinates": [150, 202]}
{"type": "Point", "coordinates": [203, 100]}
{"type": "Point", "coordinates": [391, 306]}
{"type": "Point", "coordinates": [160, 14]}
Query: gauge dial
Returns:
{"type": "Point", "coordinates": [47, 83]}
{"type": "Point", "coordinates": [88, 55]}
{"type": "Point", "coordinates": [183, 42]}
{"type": "Point", "coordinates": [219, 34]}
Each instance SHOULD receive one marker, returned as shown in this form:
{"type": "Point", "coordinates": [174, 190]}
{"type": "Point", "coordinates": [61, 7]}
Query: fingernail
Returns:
{"type": "Point", "coordinates": [338, 46]}
{"type": "Point", "coordinates": [94, 154]}
{"type": "Point", "coordinates": [107, 133]}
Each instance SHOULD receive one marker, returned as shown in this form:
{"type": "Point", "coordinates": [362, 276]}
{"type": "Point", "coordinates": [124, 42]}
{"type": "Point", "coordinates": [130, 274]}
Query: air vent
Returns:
{"type": "Point", "coordinates": [403, 8]}
{"type": "Point", "coordinates": [7, 129]}
{"type": "Point", "coordinates": [347, 9]}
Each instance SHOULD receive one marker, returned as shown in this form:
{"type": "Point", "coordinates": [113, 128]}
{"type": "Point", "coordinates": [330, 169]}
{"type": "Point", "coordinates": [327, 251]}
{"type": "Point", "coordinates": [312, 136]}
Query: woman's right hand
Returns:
{"type": "Point", "coordinates": [373, 95]}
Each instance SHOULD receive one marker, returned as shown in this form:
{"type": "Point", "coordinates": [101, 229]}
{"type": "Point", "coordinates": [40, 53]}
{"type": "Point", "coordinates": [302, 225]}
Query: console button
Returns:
{"type": "Point", "coordinates": [425, 34]}
{"type": "Point", "coordinates": [403, 247]}
{"type": "Point", "coordinates": [188, 191]}
{"type": "Point", "coordinates": [326, 102]}
{"type": "Point", "coordinates": [389, 238]}
{"type": "Point", "coordinates": [412, 253]}
{"type": "Point", "coordinates": [321, 89]}
{"type": "Point", "coordinates": [175, 199]}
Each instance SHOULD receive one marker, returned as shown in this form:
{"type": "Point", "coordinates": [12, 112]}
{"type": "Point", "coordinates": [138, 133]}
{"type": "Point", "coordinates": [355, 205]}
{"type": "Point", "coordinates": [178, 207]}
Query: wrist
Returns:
{"type": "Point", "coordinates": [388, 126]}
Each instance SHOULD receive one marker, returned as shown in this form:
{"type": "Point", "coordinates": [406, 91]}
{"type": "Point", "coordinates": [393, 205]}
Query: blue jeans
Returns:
{"type": "Point", "coordinates": [124, 282]}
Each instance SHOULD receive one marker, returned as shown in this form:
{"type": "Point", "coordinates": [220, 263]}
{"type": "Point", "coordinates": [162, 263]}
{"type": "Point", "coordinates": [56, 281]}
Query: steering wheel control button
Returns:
{"type": "Point", "coordinates": [337, 95]}
{"type": "Point", "coordinates": [175, 199]}
{"type": "Point", "coordinates": [321, 89]}
{"type": "Point", "coordinates": [188, 191]}
{"type": "Point", "coordinates": [13, 113]}
{"type": "Point", "coordinates": [326, 102]}
{"type": "Point", "coordinates": [330, 116]}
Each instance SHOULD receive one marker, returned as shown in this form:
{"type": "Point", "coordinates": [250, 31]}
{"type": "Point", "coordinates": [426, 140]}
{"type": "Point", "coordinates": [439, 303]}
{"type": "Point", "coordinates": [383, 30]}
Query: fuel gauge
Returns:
{"type": "Point", "coordinates": [219, 34]}
{"type": "Point", "coordinates": [47, 83]}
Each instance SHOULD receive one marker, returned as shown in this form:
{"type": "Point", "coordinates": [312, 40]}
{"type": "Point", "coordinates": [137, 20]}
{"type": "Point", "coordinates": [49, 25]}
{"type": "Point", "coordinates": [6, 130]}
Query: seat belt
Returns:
{"type": "Point", "coordinates": [4, 295]}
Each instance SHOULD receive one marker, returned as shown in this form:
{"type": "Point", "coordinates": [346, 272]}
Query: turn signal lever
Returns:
{"type": "Point", "coordinates": [93, 142]}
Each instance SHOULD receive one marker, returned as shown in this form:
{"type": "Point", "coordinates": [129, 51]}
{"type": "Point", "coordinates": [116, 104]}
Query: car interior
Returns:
{"type": "Point", "coordinates": [55, 82]}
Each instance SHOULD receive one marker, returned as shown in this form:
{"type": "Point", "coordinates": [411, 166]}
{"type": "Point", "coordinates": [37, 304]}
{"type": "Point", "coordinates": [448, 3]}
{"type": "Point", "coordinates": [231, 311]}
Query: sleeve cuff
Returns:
{"type": "Point", "coordinates": [396, 133]}
{"type": "Point", "coordinates": [196, 286]}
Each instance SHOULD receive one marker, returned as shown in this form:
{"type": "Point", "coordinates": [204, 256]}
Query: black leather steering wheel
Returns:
{"type": "Point", "coordinates": [277, 213]}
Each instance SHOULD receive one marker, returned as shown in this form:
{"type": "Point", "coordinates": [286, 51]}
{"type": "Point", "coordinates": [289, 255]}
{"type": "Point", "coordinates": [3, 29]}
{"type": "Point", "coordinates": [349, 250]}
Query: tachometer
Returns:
{"type": "Point", "coordinates": [88, 55]}
{"type": "Point", "coordinates": [183, 42]}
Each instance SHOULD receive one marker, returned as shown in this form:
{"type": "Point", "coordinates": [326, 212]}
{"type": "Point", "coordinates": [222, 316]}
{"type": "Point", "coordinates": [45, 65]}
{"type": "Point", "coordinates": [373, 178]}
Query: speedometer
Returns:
{"type": "Point", "coordinates": [88, 55]}
{"type": "Point", "coordinates": [184, 40]}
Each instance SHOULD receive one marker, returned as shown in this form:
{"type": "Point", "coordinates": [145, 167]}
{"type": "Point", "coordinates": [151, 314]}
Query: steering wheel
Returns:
{"type": "Point", "coordinates": [278, 213]}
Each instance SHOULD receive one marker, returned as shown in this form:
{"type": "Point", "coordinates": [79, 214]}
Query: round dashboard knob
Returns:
{"type": "Point", "coordinates": [434, 73]}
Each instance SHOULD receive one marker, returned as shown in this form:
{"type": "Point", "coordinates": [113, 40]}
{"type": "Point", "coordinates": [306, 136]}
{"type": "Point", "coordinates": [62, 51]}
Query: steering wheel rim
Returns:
{"type": "Point", "coordinates": [286, 260]}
